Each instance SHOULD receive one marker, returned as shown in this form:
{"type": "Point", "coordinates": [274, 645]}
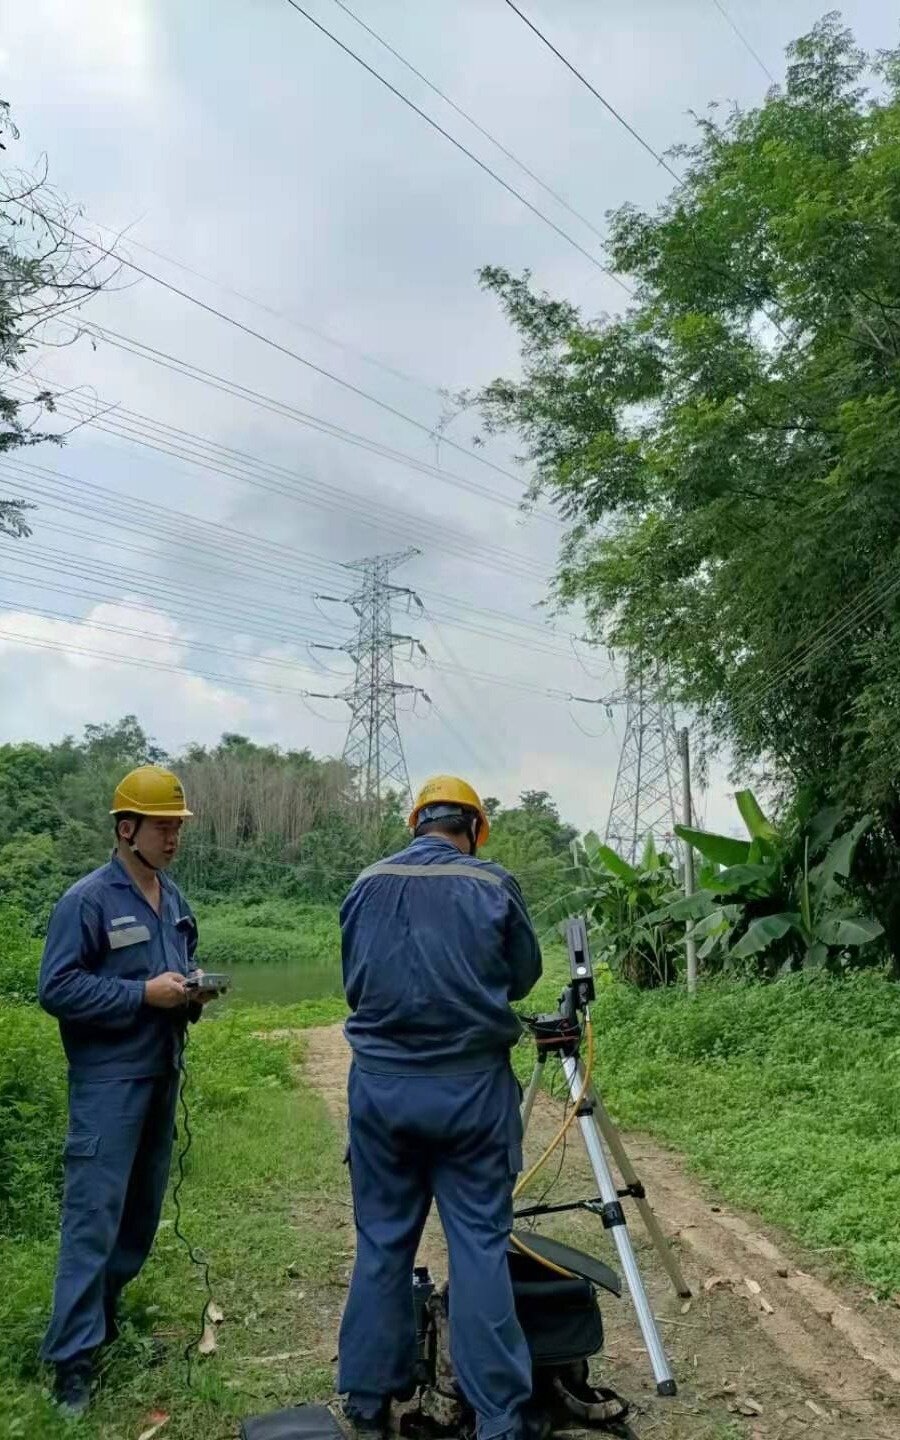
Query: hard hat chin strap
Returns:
{"type": "Point", "coordinates": [132, 845]}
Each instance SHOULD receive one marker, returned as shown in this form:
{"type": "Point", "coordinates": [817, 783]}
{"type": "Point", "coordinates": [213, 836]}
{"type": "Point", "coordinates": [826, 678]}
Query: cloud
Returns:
{"type": "Point", "coordinates": [259, 155]}
{"type": "Point", "coordinates": [55, 686]}
{"type": "Point", "coordinates": [104, 49]}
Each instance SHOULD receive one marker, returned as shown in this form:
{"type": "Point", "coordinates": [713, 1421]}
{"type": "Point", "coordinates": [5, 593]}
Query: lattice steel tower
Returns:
{"type": "Point", "coordinates": [644, 798]}
{"type": "Point", "coordinates": [374, 750]}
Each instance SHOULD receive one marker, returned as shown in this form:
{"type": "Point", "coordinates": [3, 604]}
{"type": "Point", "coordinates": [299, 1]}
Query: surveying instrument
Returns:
{"type": "Point", "coordinates": [563, 1033]}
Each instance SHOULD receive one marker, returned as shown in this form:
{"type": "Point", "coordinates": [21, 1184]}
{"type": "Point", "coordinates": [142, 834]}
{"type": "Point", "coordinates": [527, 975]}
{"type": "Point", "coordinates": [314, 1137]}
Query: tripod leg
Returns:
{"type": "Point", "coordinates": [614, 1220]}
{"type": "Point", "coordinates": [663, 1249]}
{"type": "Point", "coordinates": [528, 1100]}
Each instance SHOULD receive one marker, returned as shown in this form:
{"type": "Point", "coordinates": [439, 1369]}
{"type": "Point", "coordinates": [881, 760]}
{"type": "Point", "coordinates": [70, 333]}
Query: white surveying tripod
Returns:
{"type": "Point", "coordinates": [561, 1033]}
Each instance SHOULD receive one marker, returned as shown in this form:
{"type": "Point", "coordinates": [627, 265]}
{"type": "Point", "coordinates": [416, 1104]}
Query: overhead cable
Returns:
{"type": "Point", "coordinates": [281, 349]}
{"type": "Point", "coordinates": [179, 523]}
{"type": "Point", "coordinates": [743, 39]}
{"type": "Point", "coordinates": [645, 144]}
{"type": "Point", "coordinates": [284, 316]}
{"type": "Point", "coordinates": [458, 145]}
{"type": "Point", "coordinates": [300, 489]}
{"type": "Point", "coordinates": [470, 120]}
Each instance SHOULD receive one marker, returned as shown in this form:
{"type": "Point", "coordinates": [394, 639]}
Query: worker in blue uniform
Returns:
{"type": "Point", "coordinates": [119, 948]}
{"type": "Point", "coordinates": [435, 943]}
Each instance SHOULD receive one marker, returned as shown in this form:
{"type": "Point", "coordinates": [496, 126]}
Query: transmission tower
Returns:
{"type": "Point", "coordinates": [645, 794]}
{"type": "Point", "coordinates": [374, 750]}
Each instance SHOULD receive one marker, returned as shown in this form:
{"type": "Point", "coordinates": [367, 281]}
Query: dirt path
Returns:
{"type": "Point", "coordinates": [765, 1350]}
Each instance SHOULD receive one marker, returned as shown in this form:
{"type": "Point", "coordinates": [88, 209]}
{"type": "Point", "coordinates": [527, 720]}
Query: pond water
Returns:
{"type": "Point", "coordinates": [281, 984]}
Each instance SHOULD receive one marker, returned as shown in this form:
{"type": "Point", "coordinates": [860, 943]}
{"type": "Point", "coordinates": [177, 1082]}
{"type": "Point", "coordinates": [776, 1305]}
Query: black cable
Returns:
{"type": "Point", "coordinates": [230, 541]}
{"type": "Point", "coordinates": [458, 145]}
{"type": "Point", "coordinates": [551, 1185]}
{"type": "Point", "coordinates": [660, 159]}
{"type": "Point", "coordinates": [470, 119]}
{"type": "Point", "coordinates": [195, 1257]}
{"type": "Point", "coordinates": [282, 349]}
{"type": "Point", "coordinates": [743, 39]}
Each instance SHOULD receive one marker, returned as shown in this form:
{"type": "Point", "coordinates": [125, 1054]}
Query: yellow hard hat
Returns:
{"type": "Point", "coordinates": [450, 790]}
{"type": "Point", "coordinates": [150, 790]}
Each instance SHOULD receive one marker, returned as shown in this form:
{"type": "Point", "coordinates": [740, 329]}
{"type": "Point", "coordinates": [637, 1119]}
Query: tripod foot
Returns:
{"type": "Point", "coordinates": [667, 1387]}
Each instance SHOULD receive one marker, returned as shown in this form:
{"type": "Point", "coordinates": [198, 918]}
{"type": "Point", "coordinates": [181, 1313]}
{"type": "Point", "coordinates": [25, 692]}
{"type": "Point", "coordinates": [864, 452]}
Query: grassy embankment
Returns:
{"type": "Point", "coordinates": [785, 1097]}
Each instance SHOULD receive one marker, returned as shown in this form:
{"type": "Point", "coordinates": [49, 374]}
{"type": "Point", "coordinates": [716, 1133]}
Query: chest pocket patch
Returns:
{"type": "Point", "coordinates": [121, 939]}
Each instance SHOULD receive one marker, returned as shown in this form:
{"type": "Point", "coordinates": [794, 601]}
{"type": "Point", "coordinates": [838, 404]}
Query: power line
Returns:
{"type": "Point", "coordinates": [454, 622]}
{"type": "Point", "coordinates": [282, 349]}
{"type": "Point", "coordinates": [188, 370]}
{"type": "Point", "coordinates": [182, 529]}
{"type": "Point", "coordinates": [841, 625]}
{"type": "Point", "coordinates": [32, 642]}
{"type": "Point", "coordinates": [458, 145]}
{"type": "Point", "coordinates": [211, 608]}
{"type": "Point", "coordinates": [744, 41]}
{"type": "Point", "coordinates": [704, 263]}
{"type": "Point", "coordinates": [645, 144]}
{"type": "Point", "coordinates": [446, 477]}
{"type": "Point", "coordinates": [298, 488]}
{"type": "Point", "coordinates": [282, 315]}
{"type": "Point", "coordinates": [560, 199]}
{"type": "Point", "coordinates": [273, 661]}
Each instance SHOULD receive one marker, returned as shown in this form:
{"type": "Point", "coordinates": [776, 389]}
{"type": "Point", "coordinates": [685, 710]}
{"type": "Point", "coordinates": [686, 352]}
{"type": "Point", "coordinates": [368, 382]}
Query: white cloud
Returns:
{"type": "Point", "coordinates": [55, 687]}
{"type": "Point", "coordinates": [255, 152]}
{"type": "Point", "coordinates": [104, 45]}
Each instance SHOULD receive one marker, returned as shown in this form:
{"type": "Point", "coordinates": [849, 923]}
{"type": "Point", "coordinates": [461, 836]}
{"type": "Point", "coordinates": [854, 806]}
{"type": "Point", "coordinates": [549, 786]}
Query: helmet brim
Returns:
{"type": "Point", "coordinates": [166, 814]}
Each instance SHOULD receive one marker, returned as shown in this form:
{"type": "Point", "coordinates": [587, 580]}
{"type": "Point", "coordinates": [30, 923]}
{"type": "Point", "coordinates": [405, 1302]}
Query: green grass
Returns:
{"type": "Point", "coordinates": [267, 932]}
{"type": "Point", "coordinates": [786, 1097]}
{"type": "Point", "coordinates": [265, 1158]}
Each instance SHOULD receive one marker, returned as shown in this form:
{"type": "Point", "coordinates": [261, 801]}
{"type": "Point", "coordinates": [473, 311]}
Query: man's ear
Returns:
{"type": "Point", "coordinates": [124, 830]}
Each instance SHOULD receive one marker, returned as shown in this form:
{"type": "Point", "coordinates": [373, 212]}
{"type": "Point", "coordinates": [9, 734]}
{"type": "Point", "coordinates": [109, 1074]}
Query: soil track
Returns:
{"type": "Point", "coordinates": [765, 1350]}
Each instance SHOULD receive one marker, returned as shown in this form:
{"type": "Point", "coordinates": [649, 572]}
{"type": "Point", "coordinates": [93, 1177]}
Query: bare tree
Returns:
{"type": "Point", "coordinates": [46, 272]}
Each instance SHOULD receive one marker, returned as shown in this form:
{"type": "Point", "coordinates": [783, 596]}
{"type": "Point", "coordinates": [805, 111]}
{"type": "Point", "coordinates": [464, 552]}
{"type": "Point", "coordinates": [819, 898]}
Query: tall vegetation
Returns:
{"type": "Point", "coordinates": [726, 450]}
{"type": "Point", "coordinates": [268, 823]}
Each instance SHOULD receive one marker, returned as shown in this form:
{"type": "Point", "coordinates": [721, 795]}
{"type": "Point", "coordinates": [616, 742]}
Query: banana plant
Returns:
{"type": "Point", "coordinates": [626, 905]}
{"type": "Point", "coordinates": [765, 891]}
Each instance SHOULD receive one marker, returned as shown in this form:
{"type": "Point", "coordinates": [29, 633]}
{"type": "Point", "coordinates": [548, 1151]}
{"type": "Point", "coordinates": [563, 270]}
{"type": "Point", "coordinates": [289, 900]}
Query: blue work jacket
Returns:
{"type": "Point", "coordinates": [435, 945]}
{"type": "Point", "coordinates": [103, 943]}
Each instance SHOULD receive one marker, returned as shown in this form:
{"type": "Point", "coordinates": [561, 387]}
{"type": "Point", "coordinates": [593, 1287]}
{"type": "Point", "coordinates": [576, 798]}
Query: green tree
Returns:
{"type": "Point", "coordinates": [45, 272]}
{"type": "Point", "coordinates": [530, 840]}
{"type": "Point", "coordinates": [726, 451]}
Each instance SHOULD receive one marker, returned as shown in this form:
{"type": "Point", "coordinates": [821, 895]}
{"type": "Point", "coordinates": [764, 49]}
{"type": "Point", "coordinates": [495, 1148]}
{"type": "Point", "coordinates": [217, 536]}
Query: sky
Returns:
{"type": "Point", "coordinates": [240, 155]}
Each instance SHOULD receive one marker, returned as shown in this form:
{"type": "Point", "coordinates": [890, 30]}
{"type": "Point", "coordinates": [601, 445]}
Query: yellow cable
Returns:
{"type": "Point", "coordinates": [557, 1140]}
{"type": "Point", "coordinates": [564, 1129]}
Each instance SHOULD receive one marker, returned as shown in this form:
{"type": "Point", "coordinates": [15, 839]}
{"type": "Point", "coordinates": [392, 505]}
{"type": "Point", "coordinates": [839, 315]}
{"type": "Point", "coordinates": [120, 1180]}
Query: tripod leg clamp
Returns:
{"type": "Point", "coordinates": [612, 1215]}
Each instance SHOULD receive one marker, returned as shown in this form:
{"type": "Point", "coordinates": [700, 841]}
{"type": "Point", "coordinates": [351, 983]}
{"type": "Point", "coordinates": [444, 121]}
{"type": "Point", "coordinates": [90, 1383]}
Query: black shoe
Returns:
{"type": "Point", "coordinates": [366, 1429]}
{"type": "Point", "coordinates": [72, 1391]}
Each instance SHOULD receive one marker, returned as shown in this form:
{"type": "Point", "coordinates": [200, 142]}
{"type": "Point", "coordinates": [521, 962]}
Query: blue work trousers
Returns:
{"type": "Point", "coordinates": [117, 1156]}
{"type": "Point", "coordinates": [457, 1140]}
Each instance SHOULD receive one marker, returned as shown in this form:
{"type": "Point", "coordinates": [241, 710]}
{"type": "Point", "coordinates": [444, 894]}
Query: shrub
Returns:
{"type": "Point", "coordinates": [32, 1121]}
{"type": "Point", "coordinates": [20, 958]}
{"type": "Point", "coordinates": [275, 931]}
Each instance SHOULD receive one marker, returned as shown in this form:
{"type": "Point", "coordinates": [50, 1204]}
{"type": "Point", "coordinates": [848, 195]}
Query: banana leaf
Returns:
{"type": "Point", "coordinates": [758, 827]}
{"type": "Point", "coordinates": [737, 879]}
{"type": "Point", "coordinates": [723, 849]}
{"type": "Point", "coordinates": [839, 859]}
{"type": "Point", "coordinates": [764, 932]}
{"type": "Point", "coordinates": [853, 931]}
{"type": "Point", "coordinates": [613, 862]}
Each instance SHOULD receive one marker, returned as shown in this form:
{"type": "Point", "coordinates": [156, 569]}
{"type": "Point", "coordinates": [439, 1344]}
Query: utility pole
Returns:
{"type": "Point", "coordinates": [373, 751]}
{"type": "Point", "coordinates": [643, 801]}
{"type": "Point", "coordinates": [687, 812]}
